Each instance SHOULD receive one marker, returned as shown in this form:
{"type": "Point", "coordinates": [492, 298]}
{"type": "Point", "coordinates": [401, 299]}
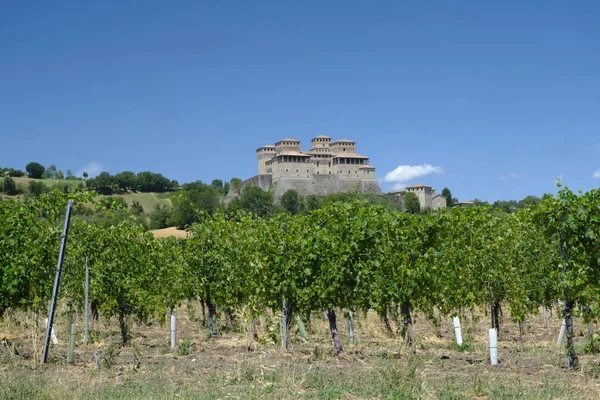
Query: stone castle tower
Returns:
{"type": "Point", "coordinates": [328, 167]}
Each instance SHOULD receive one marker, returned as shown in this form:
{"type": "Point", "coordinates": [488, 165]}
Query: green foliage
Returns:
{"type": "Point", "coordinates": [257, 201]}
{"type": "Point", "coordinates": [185, 347]}
{"type": "Point", "coordinates": [592, 346]}
{"type": "Point", "coordinates": [136, 208]}
{"type": "Point", "coordinates": [50, 172]}
{"type": "Point", "coordinates": [109, 356]}
{"type": "Point", "coordinates": [125, 181]}
{"type": "Point", "coordinates": [188, 203]}
{"type": "Point", "coordinates": [37, 188]}
{"type": "Point", "coordinates": [447, 194]}
{"type": "Point", "coordinates": [70, 176]}
{"type": "Point", "coordinates": [35, 170]}
{"type": "Point", "coordinates": [236, 185]}
{"type": "Point", "coordinates": [161, 217]}
{"type": "Point", "coordinates": [411, 203]}
{"type": "Point", "coordinates": [9, 186]}
{"type": "Point", "coordinates": [104, 183]}
{"type": "Point", "coordinates": [153, 182]}
{"type": "Point", "coordinates": [15, 173]}
{"type": "Point", "coordinates": [313, 202]}
{"type": "Point", "coordinates": [292, 202]}
{"type": "Point", "coordinates": [467, 345]}
{"type": "Point", "coordinates": [348, 254]}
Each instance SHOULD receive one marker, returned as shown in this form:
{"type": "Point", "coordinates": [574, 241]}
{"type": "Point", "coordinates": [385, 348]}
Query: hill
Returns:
{"type": "Point", "coordinates": [149, 201]}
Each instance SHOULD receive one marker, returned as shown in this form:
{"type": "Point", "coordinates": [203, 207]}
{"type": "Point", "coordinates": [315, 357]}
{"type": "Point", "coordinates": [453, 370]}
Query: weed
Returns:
{"type": "Point", "coordinates": [185, 347]}
{"type": "Point", "coordinates": [467, 344]}
{"type": "Point", "coordinates": [593, 345]}
{"type": "Point", "coordinates": [137, 357]}
{"type": "Point", "coordinates": [109, 357]}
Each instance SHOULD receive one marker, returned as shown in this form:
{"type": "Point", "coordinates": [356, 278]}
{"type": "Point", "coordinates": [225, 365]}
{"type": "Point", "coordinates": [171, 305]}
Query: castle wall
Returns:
{"type": "Point", "coordinates": [292, 169]}
{"type": "Point", "coordinates": [347, 171]}
{"type": "Point", "coordinates": [323, 185]}
{"type": "Point", "coordinates": [263, 181]}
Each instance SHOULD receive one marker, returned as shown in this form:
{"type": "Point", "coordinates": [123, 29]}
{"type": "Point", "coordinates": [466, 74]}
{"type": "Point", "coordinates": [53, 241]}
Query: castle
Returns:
{"type": "Point", "coordinates": [328, 167]}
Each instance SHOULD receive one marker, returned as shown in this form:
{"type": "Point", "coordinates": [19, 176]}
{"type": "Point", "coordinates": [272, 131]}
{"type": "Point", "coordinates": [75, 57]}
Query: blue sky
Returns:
{"type": "Point", "coordinates": [498, 98]}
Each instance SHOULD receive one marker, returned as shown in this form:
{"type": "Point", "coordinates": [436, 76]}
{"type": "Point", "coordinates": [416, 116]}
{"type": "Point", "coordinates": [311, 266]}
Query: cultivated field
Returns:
{"type": "Point", "coordinates": [377, 367]}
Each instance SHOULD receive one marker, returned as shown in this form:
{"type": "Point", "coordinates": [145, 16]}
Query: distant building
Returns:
{"type": "Point", "coordinates": [285, 159]}
{"type": "Point", "coordinates": [438, 201]}
{"type": "Point", "coordinates": [328, 167]}
{"type": "Point", "coordinates": [464, 204]}
{"type": "Point", "coordinates": [427, 196]}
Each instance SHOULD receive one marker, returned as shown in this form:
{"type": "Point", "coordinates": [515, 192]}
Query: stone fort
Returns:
{"type": "Point", "coordinates": [328, 167]}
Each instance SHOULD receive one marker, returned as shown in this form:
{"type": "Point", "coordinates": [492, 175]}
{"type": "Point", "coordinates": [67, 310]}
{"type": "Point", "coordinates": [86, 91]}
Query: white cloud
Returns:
{"type": "Point", "coordinates": [398, 186]}
{"type": "Point", "coordinates": [510, 175]}
{"type": "Point", "coordinates": [405, 173]}
{"type": "Point", "coordinates": [596, 174]}
{"type": "Point", "coordinates": [93, 169]}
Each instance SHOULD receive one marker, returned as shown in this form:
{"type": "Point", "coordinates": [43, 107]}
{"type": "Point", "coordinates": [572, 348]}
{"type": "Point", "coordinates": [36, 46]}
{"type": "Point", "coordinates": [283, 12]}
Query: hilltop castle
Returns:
{"type": "Point", "coordinates": [328, 167]}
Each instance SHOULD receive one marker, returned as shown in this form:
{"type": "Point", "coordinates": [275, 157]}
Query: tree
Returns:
{"type": "Point", "coordinates": [185, 203]}
{"type": "Point", "coordinates": [313, 202]}
{"type": "Point", "coordinates": [161, 217]}
{"type": "Point", "coordinates": [136, 208]}
{"type": "Point", "coordinates": [447, 194]}
{"type": "Point", "coordinates": [15, 173]}
{"type": "Point", "coordinates": [126, 180]}
{"type": "Point", "coordinates": [217, 183]}
{"type": "Point", "coordinates": [411, 203]}
{"type": "Point", "coordinates": [50, 172]}
{"type": "Point", "coordinates": [152, 182]}
{"type": "Point", "coordinates": [59, 175]}
{"type": "Point", "coordinates": [70, 176]}
{"type": "Point", "coordinates": [226, 187]}
{"type": "Point", "coordinates": [10, 187]}
{"type": "Point", "coordinates": [236, 185]}
{"type": "Point", "coordinates": [529, 201]}
{"type": "Point", "coordinates": [35, 170]}
{"type": "Point", "coordinates": [37, 188]}
{"type": "Point", "coordinates": [103, 183]}
{"type": "Point", "coordinates": [256, 200]}
{"type": "Point", "coordinates": [85, 175]}
{"type": "Point", "coordinates": [291, 201]}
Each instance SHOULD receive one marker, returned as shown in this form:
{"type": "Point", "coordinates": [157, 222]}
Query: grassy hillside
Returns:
{"type": "Point", "coordinates": [149, 201]}
{"type": "Point", "coordinates": [24, 181]}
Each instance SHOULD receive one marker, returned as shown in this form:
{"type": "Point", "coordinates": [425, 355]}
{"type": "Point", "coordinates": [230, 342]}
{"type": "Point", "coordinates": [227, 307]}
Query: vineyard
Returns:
{"type": "Point", "coordinates": [347, 261]}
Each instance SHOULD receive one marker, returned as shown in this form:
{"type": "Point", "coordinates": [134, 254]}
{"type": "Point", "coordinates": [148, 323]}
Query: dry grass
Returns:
{"type": "Point", "coordinates": [166, 232]}
{"type": "Point", "coordinates": [377, 367]}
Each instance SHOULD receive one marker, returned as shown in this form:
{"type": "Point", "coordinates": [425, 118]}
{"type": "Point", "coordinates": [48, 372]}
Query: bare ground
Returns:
{"type": "Point", "coordinates": [378, 367]}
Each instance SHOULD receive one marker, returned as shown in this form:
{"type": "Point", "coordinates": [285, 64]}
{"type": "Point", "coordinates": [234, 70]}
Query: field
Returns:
{"type": "Point", "coordinates": [149, 201]}
{"type": "Point", "coordinates": [24, 181]}
{"type": "Point", "coordinates": [378, 367]}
